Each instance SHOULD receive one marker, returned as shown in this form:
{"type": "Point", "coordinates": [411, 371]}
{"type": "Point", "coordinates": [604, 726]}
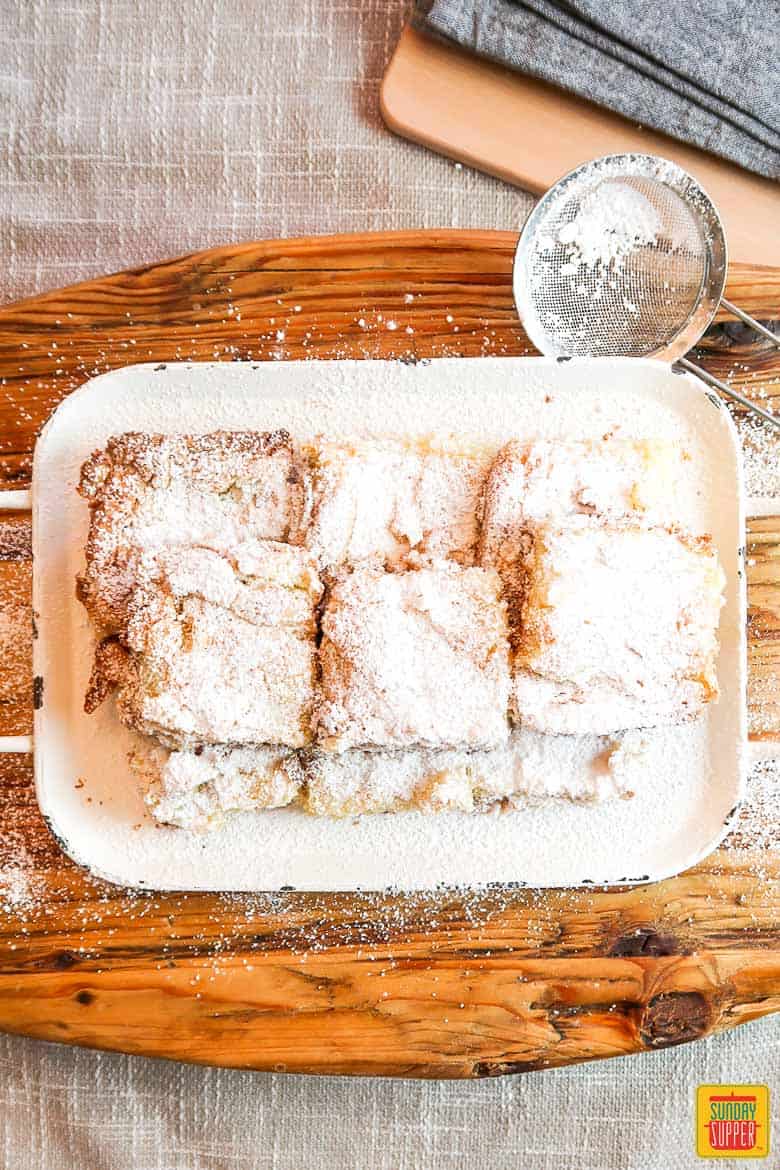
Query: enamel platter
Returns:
{"type": "Point", "coordinates": [690, 777]}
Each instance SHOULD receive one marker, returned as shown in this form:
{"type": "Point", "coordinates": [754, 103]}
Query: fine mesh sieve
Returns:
{"type": "Point", "coordinates": [625, 256]}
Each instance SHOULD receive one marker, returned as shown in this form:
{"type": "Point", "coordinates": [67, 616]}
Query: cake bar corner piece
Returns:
{"type": "Point", "coordinates": [148, 492]}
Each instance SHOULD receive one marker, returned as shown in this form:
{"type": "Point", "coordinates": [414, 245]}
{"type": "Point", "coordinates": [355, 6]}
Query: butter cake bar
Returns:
{"type": "Point", "coordinates": [220, 648]}
{"type": "Point", "coordinates": [530, 767]}
{"type": "Point", "coordinates": [396, 503]}
{"type": "Point", "coordinates": [198, 789]}
{"type": "Point", "coordinates": [618, 627]}
{"type": "Point", "coordinates": [546, 479]}
{"type": "Point", "coordinates": [414, 658]}
{"type": "Point", "coordinates": [150, 492]}
{"type": "Point", "coordinates": [356, 782]}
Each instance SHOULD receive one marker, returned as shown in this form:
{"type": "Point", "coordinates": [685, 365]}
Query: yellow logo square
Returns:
{"type": "Point", "coordinates": [732, 1121]}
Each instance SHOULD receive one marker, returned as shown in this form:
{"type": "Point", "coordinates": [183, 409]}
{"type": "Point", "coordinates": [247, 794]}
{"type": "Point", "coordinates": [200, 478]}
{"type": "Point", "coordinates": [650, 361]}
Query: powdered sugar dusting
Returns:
{"type": "Point", "coordinates": [196, 790]}
{"type": "Point", "coordinates": [417, 658]}
{"type": "Point", "coordinates": [223, 646]}
{"type": "Point", "coordinates": [611, 662]}
{"type": "Point", "coordinates": [397, 503]}
{"type": "Point", "coordinates": [761, 452]}
{"type": "Point", "coordinates": [759, 824]}
{"type": "Point", "coordinates": [614, 260]}
{"type": "Point", "coordinates": [528, 768]}
{"type": "Point", "coordinates": [18, 882]}
{"type": "Point", "coordinates": [150, 492]}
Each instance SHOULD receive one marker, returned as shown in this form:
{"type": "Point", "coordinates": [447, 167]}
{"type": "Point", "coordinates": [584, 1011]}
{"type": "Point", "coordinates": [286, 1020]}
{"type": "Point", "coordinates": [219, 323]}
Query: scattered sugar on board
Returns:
{"type": "Point", "coordinates": [758, 826]}
{"type": "Point", "coordinates": [18, 883]}
{"type": "Point", "coordinates": [761, 453]}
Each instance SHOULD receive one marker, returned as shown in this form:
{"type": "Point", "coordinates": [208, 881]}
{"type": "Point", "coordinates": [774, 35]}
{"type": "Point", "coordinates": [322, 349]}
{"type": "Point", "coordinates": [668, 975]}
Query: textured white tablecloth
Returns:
{"type": "Point", "coordinates": [131, 130]}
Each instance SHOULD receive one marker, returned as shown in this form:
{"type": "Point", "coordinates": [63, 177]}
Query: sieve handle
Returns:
{"type": "Point", "coordinates": [705, 376]}
{"type": "Point", "coordinates": [751, 321]}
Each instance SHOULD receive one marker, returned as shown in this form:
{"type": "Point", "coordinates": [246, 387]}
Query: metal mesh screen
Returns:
{"type": "Point", "coordinates": [624, 257]}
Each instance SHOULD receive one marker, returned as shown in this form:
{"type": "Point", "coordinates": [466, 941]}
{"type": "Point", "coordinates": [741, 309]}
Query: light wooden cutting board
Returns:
{"type": "Point", "coordinates": [531, 134]}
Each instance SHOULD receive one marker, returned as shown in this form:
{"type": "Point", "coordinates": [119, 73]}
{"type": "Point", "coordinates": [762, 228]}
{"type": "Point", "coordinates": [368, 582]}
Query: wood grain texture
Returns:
{"type": "Point", "coordinates": [763, 557]}
{"type": "Point", "coordinates": [314, 298]}
{"type": "Point", "coordinates": [476, 984]}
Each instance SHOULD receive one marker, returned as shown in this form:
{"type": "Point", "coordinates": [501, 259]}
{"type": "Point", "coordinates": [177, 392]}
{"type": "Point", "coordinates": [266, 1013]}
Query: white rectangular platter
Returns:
{"type": "Point", "coordinates": [689, 778]}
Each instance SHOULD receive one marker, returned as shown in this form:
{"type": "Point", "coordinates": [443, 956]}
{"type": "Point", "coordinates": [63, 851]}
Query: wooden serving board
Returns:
{"type": "Point", "coordinates": [450, 985]}
{"type": "Point", "coordinates": [531, 133]}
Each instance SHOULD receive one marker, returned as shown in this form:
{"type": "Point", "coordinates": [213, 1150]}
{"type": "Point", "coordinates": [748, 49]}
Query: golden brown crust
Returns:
{"type": "Point", "coordinates": [153, 457]}
{"type": "Point", "coordinates": [109, 668]}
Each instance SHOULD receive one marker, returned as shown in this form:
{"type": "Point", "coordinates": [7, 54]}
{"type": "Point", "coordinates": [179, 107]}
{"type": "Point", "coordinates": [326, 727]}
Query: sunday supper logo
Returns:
{"type": "Point", "coordinates": [732, 1121]}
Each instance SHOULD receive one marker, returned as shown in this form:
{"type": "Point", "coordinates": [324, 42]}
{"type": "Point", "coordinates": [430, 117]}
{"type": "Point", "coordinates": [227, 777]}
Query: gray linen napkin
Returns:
{"type": "Point", "coordinates": [705, 71]}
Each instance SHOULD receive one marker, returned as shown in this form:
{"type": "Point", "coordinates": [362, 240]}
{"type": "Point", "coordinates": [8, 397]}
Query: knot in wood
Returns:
{"type": "Point", "coordinates": [674, 1018]}
{"type": "Point", "coordinates": [644, 940]}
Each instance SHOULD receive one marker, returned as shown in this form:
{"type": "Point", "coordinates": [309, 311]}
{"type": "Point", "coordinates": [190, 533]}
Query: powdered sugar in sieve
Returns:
{"type": "Point", "coordinates": [625, 256]}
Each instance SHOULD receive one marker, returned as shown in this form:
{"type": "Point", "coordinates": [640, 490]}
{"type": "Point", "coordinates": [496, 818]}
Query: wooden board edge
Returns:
{"type": "Point", "coordinates": [427, 1022]}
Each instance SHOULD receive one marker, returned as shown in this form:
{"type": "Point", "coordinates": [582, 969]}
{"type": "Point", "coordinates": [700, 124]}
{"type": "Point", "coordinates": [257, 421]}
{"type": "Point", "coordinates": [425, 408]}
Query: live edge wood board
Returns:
{"type": "Point", "coordinates": [441, 985]}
